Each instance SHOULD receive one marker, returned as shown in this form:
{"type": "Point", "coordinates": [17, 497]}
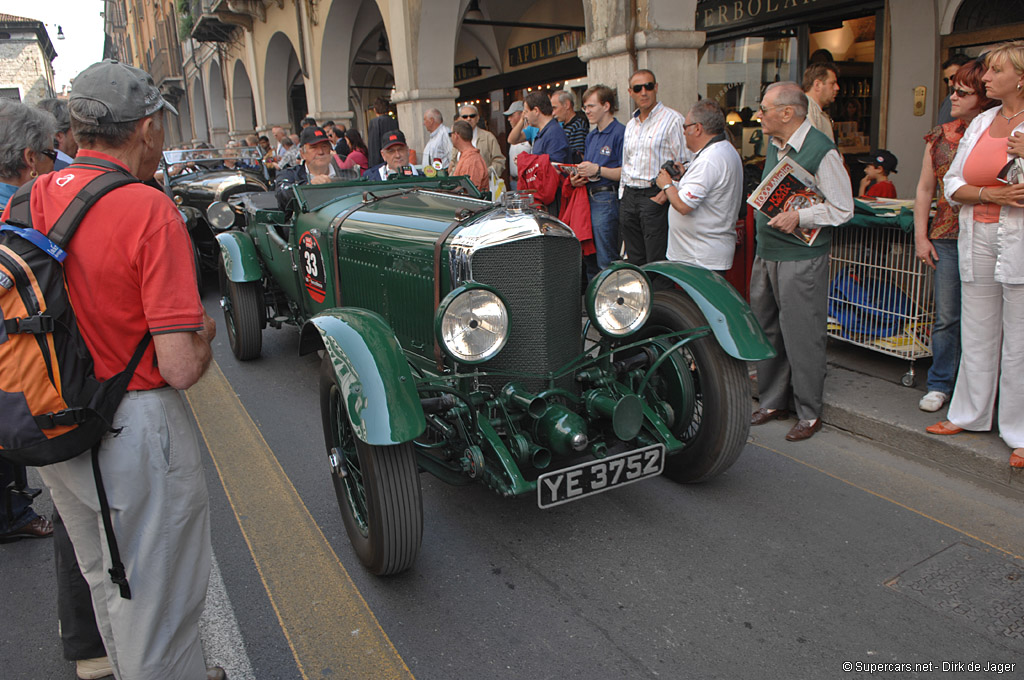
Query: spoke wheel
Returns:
{"type": "Point", "coordinates": [243, 316]}
{"type": "Point", "coordinates": [378, 487]}
{"type": "Point", "coordinates": [708, 392]}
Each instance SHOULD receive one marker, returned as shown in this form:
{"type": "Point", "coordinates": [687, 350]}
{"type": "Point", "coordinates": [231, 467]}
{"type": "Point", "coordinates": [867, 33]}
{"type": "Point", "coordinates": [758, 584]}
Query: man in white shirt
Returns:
{"type": "Point", "coordinates": [706, 200]}
{"type": "Point", "coordinates": [821, 85]}
{"type": "Point", "coordinates": [439, 146]}
{"type": "Point", "coordinates": [654, 135]}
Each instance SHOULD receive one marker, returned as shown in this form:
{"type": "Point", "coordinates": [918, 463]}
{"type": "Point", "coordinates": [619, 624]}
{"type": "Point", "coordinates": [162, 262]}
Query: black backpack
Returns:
{"type": "Point", "coordinates": [52, 407]}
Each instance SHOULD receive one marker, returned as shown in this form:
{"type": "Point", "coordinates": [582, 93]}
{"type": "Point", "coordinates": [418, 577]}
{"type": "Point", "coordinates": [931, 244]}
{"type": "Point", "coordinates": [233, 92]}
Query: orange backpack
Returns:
{"type": "Point", "coordinates": [52, 408]}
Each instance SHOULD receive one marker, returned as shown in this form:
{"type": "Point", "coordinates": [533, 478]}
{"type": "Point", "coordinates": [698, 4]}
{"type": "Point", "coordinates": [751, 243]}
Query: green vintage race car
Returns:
{"type": "Point", "coordinates": [456, 341]}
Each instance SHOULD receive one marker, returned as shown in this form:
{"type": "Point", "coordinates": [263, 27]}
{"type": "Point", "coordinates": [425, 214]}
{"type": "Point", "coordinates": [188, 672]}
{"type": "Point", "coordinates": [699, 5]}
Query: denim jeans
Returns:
{"type": "Point", "coordinates": [604, 218]}
{"type": "Point", "coordinates": [946, 331]}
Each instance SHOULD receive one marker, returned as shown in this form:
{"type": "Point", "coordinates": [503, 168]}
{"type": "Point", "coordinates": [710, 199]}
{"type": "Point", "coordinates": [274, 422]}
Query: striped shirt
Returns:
{"type": "Point", "coordinates": [649, 144]}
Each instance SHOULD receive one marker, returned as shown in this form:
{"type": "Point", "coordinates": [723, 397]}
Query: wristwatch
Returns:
{"type": "Point", "coordinates": [665, 188]}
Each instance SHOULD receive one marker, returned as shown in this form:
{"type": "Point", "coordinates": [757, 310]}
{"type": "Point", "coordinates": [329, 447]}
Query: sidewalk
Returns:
{"type": "Point", "coordinates": [863, 396]}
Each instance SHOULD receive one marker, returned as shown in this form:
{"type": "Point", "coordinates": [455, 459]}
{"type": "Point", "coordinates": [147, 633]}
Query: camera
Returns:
{"type": "Point", "coordinates": [671, 169]}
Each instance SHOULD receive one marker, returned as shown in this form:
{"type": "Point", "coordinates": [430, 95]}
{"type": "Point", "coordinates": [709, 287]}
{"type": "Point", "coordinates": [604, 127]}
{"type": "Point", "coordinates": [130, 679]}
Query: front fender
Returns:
{"type": "Point", "coordinates": [238, 252]}
{"type": "Point", "coordinates": [728, 314]}
{"type": "Point", "coordinates": [372, 372]}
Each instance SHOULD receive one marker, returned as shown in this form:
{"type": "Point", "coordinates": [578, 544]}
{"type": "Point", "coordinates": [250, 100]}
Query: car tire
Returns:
{"type": "Point", "coordinates": [243, 317]}
{"type": "Point", "coordinates": [717, 431]}
{"type": "Point", "coordinates": [379, 493]}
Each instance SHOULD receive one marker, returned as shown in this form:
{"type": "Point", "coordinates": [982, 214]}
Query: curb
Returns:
{"type": "Point", "coordinates": [887, 414]}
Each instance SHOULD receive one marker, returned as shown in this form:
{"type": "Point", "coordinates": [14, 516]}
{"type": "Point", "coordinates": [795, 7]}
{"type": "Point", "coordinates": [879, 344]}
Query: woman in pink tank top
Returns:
{"type": "Point", "coordinates": [991, 250]}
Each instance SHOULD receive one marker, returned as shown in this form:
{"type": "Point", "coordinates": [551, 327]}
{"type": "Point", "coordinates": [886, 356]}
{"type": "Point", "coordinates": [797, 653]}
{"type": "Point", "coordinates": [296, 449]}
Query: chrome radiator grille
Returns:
{"type": "Point", "coordinates": [539, 278]}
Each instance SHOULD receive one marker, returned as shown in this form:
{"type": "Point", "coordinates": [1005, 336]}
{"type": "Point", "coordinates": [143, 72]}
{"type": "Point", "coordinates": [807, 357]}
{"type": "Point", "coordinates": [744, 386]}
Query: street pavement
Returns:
{"type": "Point", "coordinates": [801, 558]}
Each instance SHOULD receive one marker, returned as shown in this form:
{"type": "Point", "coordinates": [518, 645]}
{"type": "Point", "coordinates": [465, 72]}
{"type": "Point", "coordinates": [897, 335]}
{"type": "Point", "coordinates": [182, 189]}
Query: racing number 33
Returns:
{"type": "Point", "coordinates": [591, 477]}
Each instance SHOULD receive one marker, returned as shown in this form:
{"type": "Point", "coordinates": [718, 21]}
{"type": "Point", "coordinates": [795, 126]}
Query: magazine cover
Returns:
{"type": "Point", "coordinates": [565, 168]}
{"type": "Point", "coordinates": [788, 187]}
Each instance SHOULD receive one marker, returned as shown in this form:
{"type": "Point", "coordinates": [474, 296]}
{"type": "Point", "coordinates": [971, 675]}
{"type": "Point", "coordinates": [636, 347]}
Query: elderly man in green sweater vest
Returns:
{"type": "Point", "coordinates": [789, 282]}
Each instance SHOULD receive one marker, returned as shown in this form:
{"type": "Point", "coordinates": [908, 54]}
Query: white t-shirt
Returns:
{"type": "Point", "coordinates": [713, 187]}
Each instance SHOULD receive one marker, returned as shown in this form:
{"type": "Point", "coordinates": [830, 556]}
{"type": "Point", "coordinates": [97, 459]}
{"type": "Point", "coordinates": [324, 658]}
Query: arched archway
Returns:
{"type": "Point", "coordinates": [282, 81]}
{"type": "Point", "coordinates": [218, 108]}
{"type": "Point", "coordinates": [335, 55]}
{"type": "Point", "coordinates": [243, 106]}
{"type": "Point", "coordinates": [202, 127]}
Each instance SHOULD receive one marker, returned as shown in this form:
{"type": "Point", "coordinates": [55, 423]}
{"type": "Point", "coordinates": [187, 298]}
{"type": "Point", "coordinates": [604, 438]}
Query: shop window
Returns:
{"type": "Point", "coordinates": [735, 74]}
{"type": "Point", "coordinates": [852, 47]}
{"type": "Point", "coordinates": [10, 93]}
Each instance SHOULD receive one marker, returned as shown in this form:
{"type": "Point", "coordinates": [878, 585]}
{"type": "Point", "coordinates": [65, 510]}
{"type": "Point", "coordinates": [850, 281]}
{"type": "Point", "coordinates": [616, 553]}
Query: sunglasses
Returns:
{"type": "Point", "coordinates": [946, 80]}
{"type": "Point", "coordinates": [686, 125]}
{"type": "Point", "coordinates": [640, 87]}
{"type": "Point", "coordinates": [51, 154]}
{"type": "Point", "coordinates": [961, 93]}
{"type": "Point", "coordinates": [468, 115]}
{"type": "Point", "coordinates": [765, 109]}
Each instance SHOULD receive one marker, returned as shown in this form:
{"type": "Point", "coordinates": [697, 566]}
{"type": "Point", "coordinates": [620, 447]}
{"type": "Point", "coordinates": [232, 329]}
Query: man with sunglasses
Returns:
{"type": "Point", "coordinates": [789, 280]}
{"type": "Point", "coordinates": [653, 136]}
{"type": "Point", "coordinates": [483, 140]}
{"type": "Point", "coordinates": [949, 69]}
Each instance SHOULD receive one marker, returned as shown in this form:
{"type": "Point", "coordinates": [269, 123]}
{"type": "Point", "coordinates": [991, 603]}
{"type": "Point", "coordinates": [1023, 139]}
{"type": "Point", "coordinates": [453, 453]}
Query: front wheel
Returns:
{"type": "Point", "coordinates": [243, 317]}
{"type": "Point", "coordinates": [713, 420]}
{"type": "Point", "coordinates": [378, 487]}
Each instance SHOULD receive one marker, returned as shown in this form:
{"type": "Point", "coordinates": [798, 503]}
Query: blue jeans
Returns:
{"type": "Point", "coordinates": [946, 331]}
{"type": "Point", "coordinates": [604, 219]}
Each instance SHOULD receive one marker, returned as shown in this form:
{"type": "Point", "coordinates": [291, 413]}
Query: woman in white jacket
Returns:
{"type": "Point", "coordinates": [991, 250]}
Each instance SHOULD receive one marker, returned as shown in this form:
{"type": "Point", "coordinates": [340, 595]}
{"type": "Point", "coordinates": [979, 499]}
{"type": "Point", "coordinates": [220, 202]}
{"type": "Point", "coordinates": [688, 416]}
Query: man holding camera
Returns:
{"type": "Point", "coordinates": [706, 200]}
{"type": "Point", "coordinates": [654, 136]}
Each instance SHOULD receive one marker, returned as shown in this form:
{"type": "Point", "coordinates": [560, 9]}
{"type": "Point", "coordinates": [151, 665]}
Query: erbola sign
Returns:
{"type": "Point", "coordinates": [716, 15]}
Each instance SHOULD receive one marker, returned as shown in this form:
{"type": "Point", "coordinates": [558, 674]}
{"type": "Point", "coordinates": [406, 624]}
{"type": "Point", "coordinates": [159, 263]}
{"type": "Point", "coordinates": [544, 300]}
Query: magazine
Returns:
{"type": "Point", "coordinates": [565, 168]}
{"type": "Point", "coordinates": [788, 187]}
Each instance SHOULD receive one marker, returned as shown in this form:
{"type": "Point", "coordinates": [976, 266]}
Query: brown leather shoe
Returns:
{"type": "Point", "coordinates": [216, 673]}
{"type": "Point", "coordinates": [803, 430]}
{"type": "Point", "coordinates": [763, 415]}
{"type": "Point", "coordinates": [40, 527]}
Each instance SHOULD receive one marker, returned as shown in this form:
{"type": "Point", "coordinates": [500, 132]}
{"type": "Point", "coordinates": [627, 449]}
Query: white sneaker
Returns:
{"type": "Point", "coordinates": [89, 669]}
{"type": "Point", "coordinates": [933, 401]}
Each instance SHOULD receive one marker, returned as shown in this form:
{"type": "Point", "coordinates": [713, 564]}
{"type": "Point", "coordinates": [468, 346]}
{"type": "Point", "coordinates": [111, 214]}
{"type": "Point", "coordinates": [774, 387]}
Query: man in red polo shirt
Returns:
{"type": "Point", "coordinates": [130, 270]}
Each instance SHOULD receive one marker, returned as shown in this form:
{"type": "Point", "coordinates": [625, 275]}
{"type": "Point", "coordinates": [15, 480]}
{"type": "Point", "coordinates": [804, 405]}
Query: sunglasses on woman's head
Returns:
{"type": "Point", "coordinates": [643, 86]}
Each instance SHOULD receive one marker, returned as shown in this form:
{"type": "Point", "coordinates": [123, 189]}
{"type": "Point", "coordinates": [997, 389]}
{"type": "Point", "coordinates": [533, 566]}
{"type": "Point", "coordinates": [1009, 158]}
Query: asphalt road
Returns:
{"type": "Point", "coordinates": [800, 558]}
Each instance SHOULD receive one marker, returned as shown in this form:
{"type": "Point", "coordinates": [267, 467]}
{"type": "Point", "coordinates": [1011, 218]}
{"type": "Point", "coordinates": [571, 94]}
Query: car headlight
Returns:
{"type": "Point", "coordinates": [220, 215]}
{"type": "Point", "coordinates": [472, 323]}
{"type": "Point", "coordinates": [619, 300]}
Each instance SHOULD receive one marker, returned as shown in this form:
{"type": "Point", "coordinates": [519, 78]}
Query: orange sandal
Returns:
{"type": "Point", "coordinates": [1017, 458]}
{"type": "Point", "coordinates": [944, 427]}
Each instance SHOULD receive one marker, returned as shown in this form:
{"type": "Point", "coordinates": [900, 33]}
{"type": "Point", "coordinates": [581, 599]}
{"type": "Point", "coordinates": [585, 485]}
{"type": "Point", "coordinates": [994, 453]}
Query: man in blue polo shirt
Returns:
{"type": "Point", "coordinates": [599, 171]}
{"type": "Point", "coordinates": [551, 138]}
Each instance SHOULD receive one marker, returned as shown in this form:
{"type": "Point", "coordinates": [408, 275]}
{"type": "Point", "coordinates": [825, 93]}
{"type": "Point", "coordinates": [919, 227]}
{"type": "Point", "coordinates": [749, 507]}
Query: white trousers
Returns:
{"type": "Point", "coordinates": [992, 347]}
{"type": "Point", "coordinates": [156, 488]}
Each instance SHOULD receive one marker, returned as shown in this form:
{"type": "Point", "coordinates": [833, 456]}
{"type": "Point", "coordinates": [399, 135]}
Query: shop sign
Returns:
{"type": "Point", "coordinates": [545, 48]}
{"type": "Point", "coordinates": [467, 70]}
{"type": "Point", "coordinates": [717, 15]}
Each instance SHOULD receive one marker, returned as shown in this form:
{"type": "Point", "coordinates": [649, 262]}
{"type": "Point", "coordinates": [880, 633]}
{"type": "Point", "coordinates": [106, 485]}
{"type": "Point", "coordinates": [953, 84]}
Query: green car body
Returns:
{"type": "Point", "coordinates": [373, 273]}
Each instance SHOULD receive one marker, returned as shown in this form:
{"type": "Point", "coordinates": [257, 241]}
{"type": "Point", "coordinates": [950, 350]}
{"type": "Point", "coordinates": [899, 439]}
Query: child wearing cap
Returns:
{"type": "Point", "coordinates": [876, 175]}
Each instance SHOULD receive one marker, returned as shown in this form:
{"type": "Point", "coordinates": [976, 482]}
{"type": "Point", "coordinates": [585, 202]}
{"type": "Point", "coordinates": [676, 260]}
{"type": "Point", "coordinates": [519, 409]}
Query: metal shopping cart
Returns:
{"type": "Point", "coordinates": [880, 296]}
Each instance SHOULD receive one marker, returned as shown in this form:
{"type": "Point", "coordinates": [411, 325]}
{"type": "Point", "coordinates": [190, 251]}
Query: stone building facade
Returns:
{"type": "Point", "coordinates": [26, 59]}
{"type": "Point", "coordinates": [252, 64]}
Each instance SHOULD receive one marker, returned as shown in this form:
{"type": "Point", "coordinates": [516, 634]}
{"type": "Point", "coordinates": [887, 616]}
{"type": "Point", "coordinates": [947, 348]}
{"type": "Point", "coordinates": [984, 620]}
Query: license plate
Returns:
{"type": "Point", "coordinates": [594, 476]}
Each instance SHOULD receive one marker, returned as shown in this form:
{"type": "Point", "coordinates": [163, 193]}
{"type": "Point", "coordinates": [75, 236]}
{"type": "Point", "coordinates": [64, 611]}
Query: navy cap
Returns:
{"type": "Point", "coordinates": [391, 137]}
{"type": "Point", "coordinates": [883, 158]}
{"type": "Point", "coordinates": [313, 135]}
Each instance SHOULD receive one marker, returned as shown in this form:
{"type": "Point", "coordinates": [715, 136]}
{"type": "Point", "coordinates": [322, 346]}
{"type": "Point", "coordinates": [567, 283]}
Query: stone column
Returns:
{"type": "Point", "coordinates": [344, 117]}
{"type": "Point", "coordinates": [413, 104]}
{"type": "Point", "coordinates": [661, 38]}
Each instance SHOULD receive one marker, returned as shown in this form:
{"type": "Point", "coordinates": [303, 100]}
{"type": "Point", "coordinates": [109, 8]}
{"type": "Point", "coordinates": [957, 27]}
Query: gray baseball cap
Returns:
{"type": "Point", "coordinates": [516, 106]}
{"type": "Point", "coordinates": [128, 93]}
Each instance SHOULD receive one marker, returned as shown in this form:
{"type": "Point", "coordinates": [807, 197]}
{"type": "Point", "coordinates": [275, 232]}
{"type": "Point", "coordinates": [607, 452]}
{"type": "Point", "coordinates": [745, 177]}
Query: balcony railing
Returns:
{"type": "Point", "coordinates": [216, 20]}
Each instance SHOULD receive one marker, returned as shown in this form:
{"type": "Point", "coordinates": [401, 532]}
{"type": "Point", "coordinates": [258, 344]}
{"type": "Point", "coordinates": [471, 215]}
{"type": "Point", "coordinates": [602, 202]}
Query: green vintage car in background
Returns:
{"type": "Point", "coordinates": [456, 340]}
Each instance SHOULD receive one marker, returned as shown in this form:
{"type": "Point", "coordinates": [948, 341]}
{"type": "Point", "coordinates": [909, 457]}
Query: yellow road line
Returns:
{"type": "Point", "coordinates": [329, 627]}
{"type": "Point", "coordinates": [891, 500]}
